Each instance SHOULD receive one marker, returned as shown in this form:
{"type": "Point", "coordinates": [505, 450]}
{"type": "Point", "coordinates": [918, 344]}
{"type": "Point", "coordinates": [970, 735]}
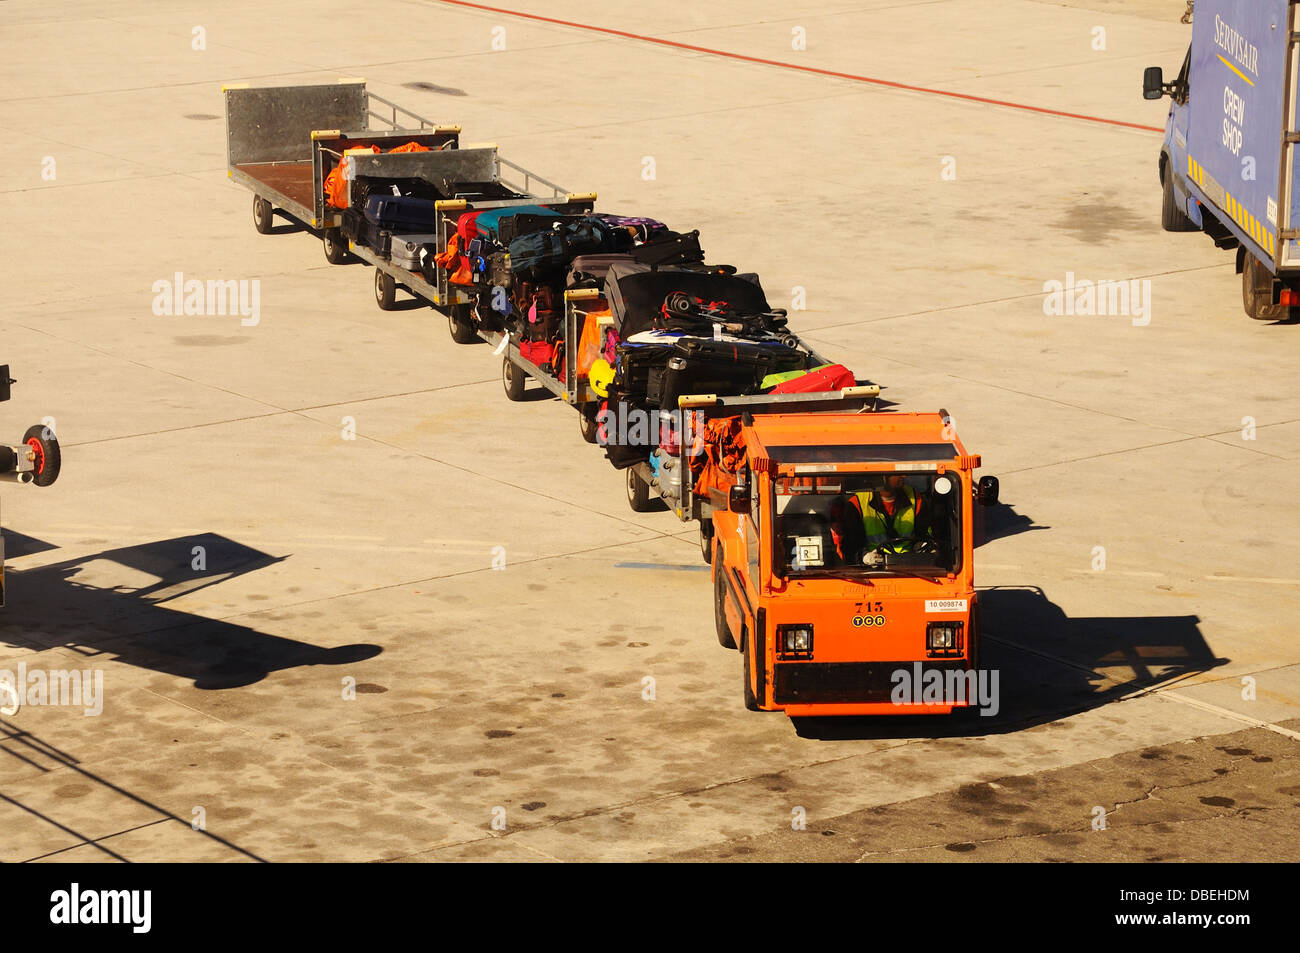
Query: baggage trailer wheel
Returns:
{"type": "Point", "coordinates": [263, 212]}
{"type": "Point", "coordinates": [461, 325]}
{"type": "Point", "coordinates": [587, 426]}
{"type": "Point", "coordinates": [725, 638]}
{"type": "Point", "coordinates": [638, 492]}
{"type": "Point", "coordinates": [385, 290]}
{"type": "Point", "coordinates": [513, 378]}
{"type": "Point", "coordinates": [1257, 290]}
{"type": "Point", "coordinates": [46, 448]}
{"type": "Point", "coordinates": [336, 246]}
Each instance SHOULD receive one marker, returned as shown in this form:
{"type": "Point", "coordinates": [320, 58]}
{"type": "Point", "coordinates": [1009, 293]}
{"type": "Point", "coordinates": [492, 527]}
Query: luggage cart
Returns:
{"type": "Point", "coordinates": [282, 143]}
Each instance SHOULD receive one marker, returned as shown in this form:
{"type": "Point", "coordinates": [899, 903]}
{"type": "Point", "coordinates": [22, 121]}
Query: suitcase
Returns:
{"type": "Point", "coordinates": [641, 229]}
{"type": "Point", "coordinates": [364, 186]}
{"type": "Point", "coordinates": [590, 270]}
{"type": "Point", "coordinates": [493, 222]}
{"type": "Point", "coordinates": [525, 223]}
{"type": "Point", "coordinates": [693, 376]}
{"type": "Point", "coordinates": [400, 213]}
{"type": "Point", "coordinates": [669, 248]}
{"type": "Point", "coordinates": [405, 249]}
{"type": "Point", "coordinates": [353, 224]}
{"type": "Point", "coordinates": [377, 237]}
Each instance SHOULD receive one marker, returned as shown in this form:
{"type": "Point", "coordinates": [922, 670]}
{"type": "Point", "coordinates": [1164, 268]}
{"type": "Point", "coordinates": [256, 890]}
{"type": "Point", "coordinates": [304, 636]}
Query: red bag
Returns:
{"type": "Point", "coordinates": [539, 352]}
{"type": "Point", "coordinates": [832, 377]}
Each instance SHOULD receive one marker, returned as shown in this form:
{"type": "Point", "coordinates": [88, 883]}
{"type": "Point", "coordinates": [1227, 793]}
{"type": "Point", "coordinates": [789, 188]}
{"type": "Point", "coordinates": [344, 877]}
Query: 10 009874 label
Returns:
{"type": "Point", "coordinates": [945, 605]}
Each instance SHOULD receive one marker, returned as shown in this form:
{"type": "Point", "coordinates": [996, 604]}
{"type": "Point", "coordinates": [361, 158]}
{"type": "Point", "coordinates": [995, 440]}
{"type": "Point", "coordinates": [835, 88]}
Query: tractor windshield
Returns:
{"type": "Point", "coordinates": [901, 522]}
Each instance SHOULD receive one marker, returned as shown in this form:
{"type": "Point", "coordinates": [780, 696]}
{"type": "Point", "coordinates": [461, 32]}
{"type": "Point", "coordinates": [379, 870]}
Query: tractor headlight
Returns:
{"type": "Point", "coordinates": [795, 641]}
{"type": "Point", "coordinates": [943, 638]}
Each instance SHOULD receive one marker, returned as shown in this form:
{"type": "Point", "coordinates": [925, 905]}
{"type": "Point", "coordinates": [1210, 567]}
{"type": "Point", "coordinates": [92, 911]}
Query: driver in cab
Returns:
{"type": "Point", "coordinates": [892, 516]}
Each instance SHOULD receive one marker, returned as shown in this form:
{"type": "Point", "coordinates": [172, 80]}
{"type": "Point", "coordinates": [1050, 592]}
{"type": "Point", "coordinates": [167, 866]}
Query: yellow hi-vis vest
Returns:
{"type": "Point", "coordinates": [877, 530]}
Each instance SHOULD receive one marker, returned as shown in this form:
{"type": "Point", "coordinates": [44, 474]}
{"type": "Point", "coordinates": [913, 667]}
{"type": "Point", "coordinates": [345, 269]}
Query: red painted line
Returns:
{"type": "Point", "coordinates": [803, 69]}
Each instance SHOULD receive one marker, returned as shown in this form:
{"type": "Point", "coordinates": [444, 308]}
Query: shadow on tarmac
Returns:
{"type": "Point", "coordinates": [34, 751]}
{"type": "Point", "coordinates": [1048, 666]}
{"type": "Point", "coordinates": [1000, 521]}
{"type": "Point", "coordinates": [113, 603]}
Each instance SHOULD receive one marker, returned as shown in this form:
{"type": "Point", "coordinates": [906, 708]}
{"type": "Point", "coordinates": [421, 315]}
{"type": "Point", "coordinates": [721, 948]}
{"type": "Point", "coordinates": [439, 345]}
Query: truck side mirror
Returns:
{"type": "Point", "coordinates": [738, 499]}
{"type": "Point", "coordinates": [1153, 83]}
{"type": "Point", "coordinates": [5, 381]}
{"type": "Point", "coordinates": [987, 491]}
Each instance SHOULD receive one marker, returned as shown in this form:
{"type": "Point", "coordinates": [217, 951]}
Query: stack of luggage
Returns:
{"type": "Point", "coordinates": [675, 325]}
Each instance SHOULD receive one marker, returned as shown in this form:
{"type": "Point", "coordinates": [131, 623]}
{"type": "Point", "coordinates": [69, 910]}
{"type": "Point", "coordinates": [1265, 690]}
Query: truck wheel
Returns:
{"type": "Point", "coordinates": [461, 326]}
{"type": "Point", "coordinates": [1257, 292]}
{"type": "Point", "coordinates": [706, 540]}
{"type": "Point", "coordinates": [1173, 218]}
{"type": "Point", "coordinates": [385, 290]}
{"type": "Point", "coordinates": [751, 700]}
{"type": "Point", "coordinates": [638, 492]}
{"type": "Point", "coordinates": [263, 213]}
{"type": "Point", "coordinates": [45, 446]}
{"type": "Point", "coordinates": [336, 246]}
{"type": "Point", "coordinates": [725, 638]}
{"type": "Point", "coordinates": [513, 378]}
{"type": "Point", "coordinates": [588, 426]}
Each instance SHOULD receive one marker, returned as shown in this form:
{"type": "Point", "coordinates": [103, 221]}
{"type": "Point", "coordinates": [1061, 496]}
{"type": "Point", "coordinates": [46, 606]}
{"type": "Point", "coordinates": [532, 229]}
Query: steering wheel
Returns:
{"type": "Point", "coordinates": [921, 546]}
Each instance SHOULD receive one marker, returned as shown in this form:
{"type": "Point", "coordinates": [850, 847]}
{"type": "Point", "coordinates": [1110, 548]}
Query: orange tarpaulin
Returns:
{"type": "Point", "coordinates": [336, 187]}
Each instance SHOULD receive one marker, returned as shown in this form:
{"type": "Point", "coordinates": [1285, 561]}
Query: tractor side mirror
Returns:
{"type": "Point", "coordinates": [5, 381]}
{"type": "Point", "coordinates": [986, 492]}
{"type": "Point", "coordinates": [1153, 83]}
{"type": "Point", "coordinates": [738, 499]}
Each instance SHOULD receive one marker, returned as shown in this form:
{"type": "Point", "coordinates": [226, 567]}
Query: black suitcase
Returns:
{"type": "Point", "coordinates": [364, 186]}
{"type": "Point", "coordinates": [525, 223]}
{"type": "Point", "coordinates": [377, 237]}
{"type": "Point", "coordinates": [354, 224]}
{"type": "Point", "coordinates": [670, 248]}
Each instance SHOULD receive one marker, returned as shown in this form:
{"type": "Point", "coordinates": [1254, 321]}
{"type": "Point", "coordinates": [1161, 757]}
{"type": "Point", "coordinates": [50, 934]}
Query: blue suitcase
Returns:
{"type": "Point", "coordinates": [401, 213]}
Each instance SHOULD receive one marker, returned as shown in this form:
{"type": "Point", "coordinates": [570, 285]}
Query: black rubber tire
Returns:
{"type": "Point", "coordinates": [1172, 218]}
{"type": "Point", "coordinates": [1256, 292]}
{"type": "Point", "coordinates": [513, 379]}
{"type": "Point", "coordinates": [263, 215]}
{"type": "Point", "coordinates": [751, 700]}
{"type": "Point", "coordinates": [706, 540]}
{"type": "Point", "coordinates": [725, 638]}
{"type": "Point", "coordinates": [49, 459]}
{"type": "Point", "coordinates": [336, 246]}
{"type": "Point", "coordinates": [385, 290]}
{"type": "Point", "coordinates": [587, 426]}
{"type": "Point", "coordinates": [638, 492]}
{"type": "Point", "coordinates": [461, 326]}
